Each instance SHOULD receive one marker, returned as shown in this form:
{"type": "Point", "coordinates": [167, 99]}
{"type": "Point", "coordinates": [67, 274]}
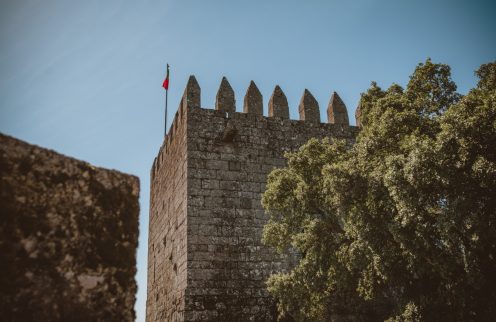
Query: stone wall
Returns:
{"type": "Point", "coordinates": [229, 156]}
{"type": "Point", "coordinates": [68, 237]}
{"type": "Point", "coordinates": [167, 232]}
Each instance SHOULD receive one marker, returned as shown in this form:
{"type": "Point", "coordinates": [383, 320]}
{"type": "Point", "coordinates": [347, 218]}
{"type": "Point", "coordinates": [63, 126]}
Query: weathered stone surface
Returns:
{"type": "Point", "coordinates": [253, 102]}
{"type": "Point", "coordinates": [206, 217]}
{"type": "Point", "coordinates": [225, 100]}
{"type": "Point", "coordinates": [167, 225]}
{"type": "Point", "coordinates": [278, 104]}
{"type": "Point", "coordinates": [336, 111]}
{"type": "Point", "coordinates": [309, 108]}
{"type": "Point", "coordinates": [192, 94]}
{"type": "Point", "coordinates": [68, 237]}
{"type": "Point", "coordinates": [229, 132]}
{"type": "Point", "coordinates": [358, 116]}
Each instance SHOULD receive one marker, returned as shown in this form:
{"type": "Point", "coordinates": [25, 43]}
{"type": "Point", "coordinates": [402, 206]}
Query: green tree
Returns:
{"type": "Point", "coordinates": [402, 225]}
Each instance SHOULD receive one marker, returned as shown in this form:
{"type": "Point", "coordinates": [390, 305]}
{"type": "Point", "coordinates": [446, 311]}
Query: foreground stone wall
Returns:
{"type": "Point", "coordinates": [68, 237]}
{"type": "Point", "coordinates": [229, 156]}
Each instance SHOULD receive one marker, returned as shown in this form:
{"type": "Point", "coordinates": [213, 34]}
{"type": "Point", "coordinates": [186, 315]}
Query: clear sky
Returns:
{"type": "Point", "coordinates": [84, 77]}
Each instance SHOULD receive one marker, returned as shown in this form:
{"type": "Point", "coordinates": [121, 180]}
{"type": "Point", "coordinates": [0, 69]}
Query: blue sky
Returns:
{"type": "Point", "coordinates": [84, 77]}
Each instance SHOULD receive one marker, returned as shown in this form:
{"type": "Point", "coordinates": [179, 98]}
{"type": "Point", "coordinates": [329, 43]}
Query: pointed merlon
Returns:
{"type": "Point", "coordinates": [278, 104]}
{"type": "Point", "coordinates": [309, 108]}
{"type": "Point", "coordinates": [225, 100]}
{"type": "Point", "coordinates": [336, 111]}
{"type": "Point", "coordinates": [192, 93]}
{"type": "Point", "coordinates": [253, 100]}
{"type": "Point", "coordinates": [358, 116]}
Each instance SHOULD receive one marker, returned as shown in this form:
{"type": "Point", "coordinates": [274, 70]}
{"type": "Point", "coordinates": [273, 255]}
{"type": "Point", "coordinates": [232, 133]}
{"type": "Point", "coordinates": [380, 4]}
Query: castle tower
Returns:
{"type": "Point", "coordinates": [206, 261]}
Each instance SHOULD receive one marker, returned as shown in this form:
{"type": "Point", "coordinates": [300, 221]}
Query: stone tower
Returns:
{"type": "Point", "coordinates": [206, 261]}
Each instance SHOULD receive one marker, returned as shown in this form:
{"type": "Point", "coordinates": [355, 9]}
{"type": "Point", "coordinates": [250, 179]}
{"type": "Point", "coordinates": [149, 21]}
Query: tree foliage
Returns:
{"type": "Point", "coordinates": [402, 225]}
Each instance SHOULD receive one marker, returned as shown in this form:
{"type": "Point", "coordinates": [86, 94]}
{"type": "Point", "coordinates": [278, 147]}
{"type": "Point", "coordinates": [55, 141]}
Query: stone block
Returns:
{"type": "Point", "coordinates": [69, 233]}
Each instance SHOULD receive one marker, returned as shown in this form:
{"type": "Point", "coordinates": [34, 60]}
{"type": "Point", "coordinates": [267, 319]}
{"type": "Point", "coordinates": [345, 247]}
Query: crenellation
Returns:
{"type": "Point", "coordinates": [278, 104]}
{"type": "Point", "coordinates": [176, 122]}
{"type": "Point", "coordinates": [309, 108]}
{"type": "Point", "coordinates": [225, 100]}
{"type": "Point", "coordinates": [253, 102]}
{"type": "Point", "coordinates": [192, 94]}
{"type": "Point", "coordinates": [336, 111]}
{"type": "Point", "coordinates": [153, 169]}
{"type": "Point", "coordinates": [208, 261]}
{"type": "Point", "coordinates": [358, 116]}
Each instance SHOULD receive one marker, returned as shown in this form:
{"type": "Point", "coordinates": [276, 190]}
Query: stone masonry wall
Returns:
{"type": "Point", "coordinates": [229, 156]}
{"type": "Point", "coordinates": [167, 233]}
{"type": "Point", "coordinates": [68, 237]}
{"type": "Point", "coordinates": [227, 263]}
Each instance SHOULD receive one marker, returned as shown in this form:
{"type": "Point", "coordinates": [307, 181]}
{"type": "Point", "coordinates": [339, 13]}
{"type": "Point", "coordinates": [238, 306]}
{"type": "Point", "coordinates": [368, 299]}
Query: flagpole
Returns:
{"type": "Point", "coordinates": [165, 85]}
{"type": "Point", "coordinates": [165, 129]}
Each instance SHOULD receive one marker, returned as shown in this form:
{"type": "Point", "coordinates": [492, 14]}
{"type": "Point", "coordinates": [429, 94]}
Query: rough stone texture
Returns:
{"type": "Point", "coordinates": [336, 111]}
{"type": "Point", "coordinates": [309, 108]}
{"type": "Point", "coordinates": [168, 226]}
{"type": "Point", "coordinates": [225, 100]}
{"type": "Point", "coordinates": [205, 204]}
{"type": "Point", "coordinates": [191, 96]}
{"type": "Point", "coordinates": [69, 233]}
{"type": "Point", "coordinates": [358, 116]}
{"type": "Point", "coordinates": [253, 100]}
{"type": "Point", "coordinates": [278, 104]}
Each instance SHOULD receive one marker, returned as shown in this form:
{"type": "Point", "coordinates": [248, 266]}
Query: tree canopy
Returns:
{"type": "Point", "coordinates": [401, 226]}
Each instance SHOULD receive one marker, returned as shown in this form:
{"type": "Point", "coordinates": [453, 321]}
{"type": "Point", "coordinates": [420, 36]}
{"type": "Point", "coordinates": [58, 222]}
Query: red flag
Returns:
{"type": "Point", "coordinates": [165, 85]}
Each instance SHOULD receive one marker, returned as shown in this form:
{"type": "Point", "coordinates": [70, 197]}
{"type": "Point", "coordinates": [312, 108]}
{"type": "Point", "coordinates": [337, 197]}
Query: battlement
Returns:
{"type": "Point", "coordinates": [206, 258]}
{"type": "Point", "coordinates": [278, 108]}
